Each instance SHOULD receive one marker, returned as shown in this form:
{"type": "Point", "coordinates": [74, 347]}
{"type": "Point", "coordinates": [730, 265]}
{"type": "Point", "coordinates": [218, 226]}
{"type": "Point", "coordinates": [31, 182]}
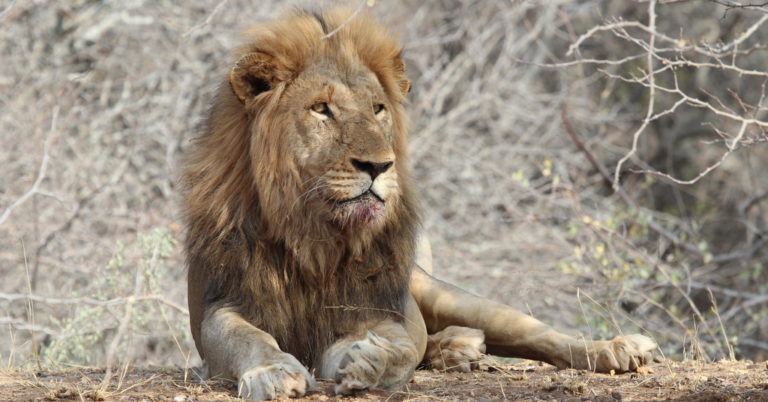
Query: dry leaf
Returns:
{"type": "Point", "coordinates": [645, 370]}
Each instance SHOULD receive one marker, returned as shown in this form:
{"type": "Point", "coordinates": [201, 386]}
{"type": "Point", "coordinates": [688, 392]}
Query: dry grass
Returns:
{"type": "Point", "coordinates": [689, 381]}
{"type": "Point", "coordinates": [98, 100]}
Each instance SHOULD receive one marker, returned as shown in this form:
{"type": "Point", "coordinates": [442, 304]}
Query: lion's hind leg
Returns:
{"type": "Point", "coordinates": [455, 349]}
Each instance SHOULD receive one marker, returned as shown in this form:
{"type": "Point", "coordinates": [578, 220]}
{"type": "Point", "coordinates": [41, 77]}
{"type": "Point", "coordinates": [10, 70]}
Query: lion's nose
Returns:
{"type": "Point", "coordinates": [372, 168]}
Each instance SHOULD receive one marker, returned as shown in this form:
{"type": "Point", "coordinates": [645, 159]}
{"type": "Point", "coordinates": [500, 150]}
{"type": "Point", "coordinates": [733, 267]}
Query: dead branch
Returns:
{"type": "Point", "coordinates": [91, 301]}
{"type": "Point", "coordinates": [18, 323]}
{"type": "Point", "coordinates": [41, 172]}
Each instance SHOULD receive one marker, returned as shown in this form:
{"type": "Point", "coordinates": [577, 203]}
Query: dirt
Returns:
{"type": "Point", "coordinates": [684, 381]}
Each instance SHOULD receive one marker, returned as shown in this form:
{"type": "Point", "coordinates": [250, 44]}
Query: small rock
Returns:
{"type": "Point", "coordinates": [179, 398]}
{"type": "Point", "coordinates": [616, 395]}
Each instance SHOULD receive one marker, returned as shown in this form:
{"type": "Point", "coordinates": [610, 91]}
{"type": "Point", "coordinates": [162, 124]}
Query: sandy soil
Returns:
{"type": "Point", "coordinates": [687, 381]}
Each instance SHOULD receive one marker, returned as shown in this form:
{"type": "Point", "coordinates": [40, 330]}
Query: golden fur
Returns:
{"type": "Point", "coordinates": [248, 214]}
{"type": "Point", "coordinates": [302, 227]}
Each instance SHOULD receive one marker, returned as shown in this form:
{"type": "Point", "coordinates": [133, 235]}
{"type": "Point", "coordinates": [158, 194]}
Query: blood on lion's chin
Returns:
{"type": "Point", "coordinates": [365, 212]}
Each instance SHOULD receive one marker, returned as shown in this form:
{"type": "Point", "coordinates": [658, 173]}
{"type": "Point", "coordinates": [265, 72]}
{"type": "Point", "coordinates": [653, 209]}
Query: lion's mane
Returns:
{"type": "Point", "coordinates": [253, 242]}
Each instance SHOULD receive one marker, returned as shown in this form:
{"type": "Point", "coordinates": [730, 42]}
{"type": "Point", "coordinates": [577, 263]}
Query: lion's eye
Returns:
{"type": "Point", "coordinates": [378, 108]}
{"type": "Point", "coordinates": [322, 108]}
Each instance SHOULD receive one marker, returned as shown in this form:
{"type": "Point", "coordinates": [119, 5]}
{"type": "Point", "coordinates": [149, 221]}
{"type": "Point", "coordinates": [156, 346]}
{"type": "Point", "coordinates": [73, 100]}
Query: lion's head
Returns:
{"type": "Point", "coordinates": [312, 129]}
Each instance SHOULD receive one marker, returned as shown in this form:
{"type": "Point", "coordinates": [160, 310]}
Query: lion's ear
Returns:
{"type": "Point", "coordinates": [253, 74]}
{"type": "Point", "coordinates": [402, 80]}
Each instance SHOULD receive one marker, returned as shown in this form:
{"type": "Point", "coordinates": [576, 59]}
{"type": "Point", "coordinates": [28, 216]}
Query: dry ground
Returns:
{"type": "Point", "coordinates": [688, 381]}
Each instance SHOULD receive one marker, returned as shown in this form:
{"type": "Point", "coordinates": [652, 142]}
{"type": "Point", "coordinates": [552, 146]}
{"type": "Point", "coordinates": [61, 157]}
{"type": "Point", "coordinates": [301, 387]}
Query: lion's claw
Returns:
{"type": "Point", "coordinates": [624, 353]}
{"type": "Point", "coordinates": [285, 379]}
{"type": "Point", "coordinates": [455, 349]}
{"type": "Point", "coordinates": [363, 365]}
{"type": "Point", "coordinates": [374, 362]}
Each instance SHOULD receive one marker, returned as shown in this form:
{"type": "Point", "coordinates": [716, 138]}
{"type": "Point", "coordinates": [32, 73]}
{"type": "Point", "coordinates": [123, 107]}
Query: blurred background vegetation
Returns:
{"type": "Point", "coordinates": [524, 115]}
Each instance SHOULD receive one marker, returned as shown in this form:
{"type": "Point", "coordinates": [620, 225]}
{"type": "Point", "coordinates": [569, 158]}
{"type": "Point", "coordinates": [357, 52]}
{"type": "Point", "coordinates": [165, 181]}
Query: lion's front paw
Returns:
{"type": "Point", "coordinates": [374, 362]}
{"type": "Point", "coordinates": [455, 349]}
{"type": "Point", "coordinates": [284, 379]}
{"type": "Point", "coordinates": [624, 353]}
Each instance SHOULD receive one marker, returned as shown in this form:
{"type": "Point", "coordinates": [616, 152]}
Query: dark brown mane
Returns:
{"type": "Point", "coordinates": [249, 245]}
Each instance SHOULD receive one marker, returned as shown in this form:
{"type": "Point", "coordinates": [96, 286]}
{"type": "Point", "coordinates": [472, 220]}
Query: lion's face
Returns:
{"type": "Point", "coordinates": [326, 128]}
{"type": "Point", "coordinates": [343, 145]}
{"type": "Point", "coordinates": [305, 152]}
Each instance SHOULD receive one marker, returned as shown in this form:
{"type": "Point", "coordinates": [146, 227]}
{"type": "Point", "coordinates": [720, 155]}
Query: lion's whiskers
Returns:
{"type": "Point", "coordinates": [319, 184]}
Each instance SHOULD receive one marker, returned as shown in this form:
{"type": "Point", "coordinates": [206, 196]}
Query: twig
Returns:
{"type": "Point", "coordinates": [619, 190]}
{"type": "Point", "coordinates": [752, 201]}
{"type": "Point", "coordinates": [7, 9]}
{"type": "Point", "coordinates": [731, 148]}
{"type": "Point", "coordinates": [81, 204]}
{"type": "Point", "coordinates": [41, 172]}
{"type": "Point", "coordinates": [651, 93]}
{"type": "Point", "coordinates": [696, 312]}
{"type": "Point", "coordinates": [122, 328]}
{"type": "Point", "coordinates": [92, 301]}
{"type": "Point", "coordinates": [580, 145]}
{"type": "Point", "coordinates": [655, 54]}
{"type": "Point", "coordinates": [26, 326]}
{"type": "Point", "coordinates": [208, 19]}
{"type": "Point", "coordinates": [30, 305]}
{"type": "Point", "coordinates": [343, 24]}
{"type": "Point", "coordinates": [731, 354]}
{"type": "Point", "coordinates": [618, 27]}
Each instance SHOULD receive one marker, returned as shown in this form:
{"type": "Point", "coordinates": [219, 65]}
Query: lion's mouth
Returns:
{"type": "Point", "coordinates": [365, 208]}
{"type": "Point", "coordinates": [366, 196]}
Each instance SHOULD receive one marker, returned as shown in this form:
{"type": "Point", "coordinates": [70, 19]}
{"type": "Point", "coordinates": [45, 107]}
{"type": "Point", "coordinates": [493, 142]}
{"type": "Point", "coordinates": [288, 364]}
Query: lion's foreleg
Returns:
{"type": "Point", "coordinates": [511, 333]}
{"type": "Point", "coordinates": [236, 349]}
{"type": "Point", "coordinates": [383, 356]}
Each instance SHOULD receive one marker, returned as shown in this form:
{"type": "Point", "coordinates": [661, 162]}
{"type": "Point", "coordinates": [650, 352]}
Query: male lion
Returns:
{"type": "Point", "coordinates": [303, 246]}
